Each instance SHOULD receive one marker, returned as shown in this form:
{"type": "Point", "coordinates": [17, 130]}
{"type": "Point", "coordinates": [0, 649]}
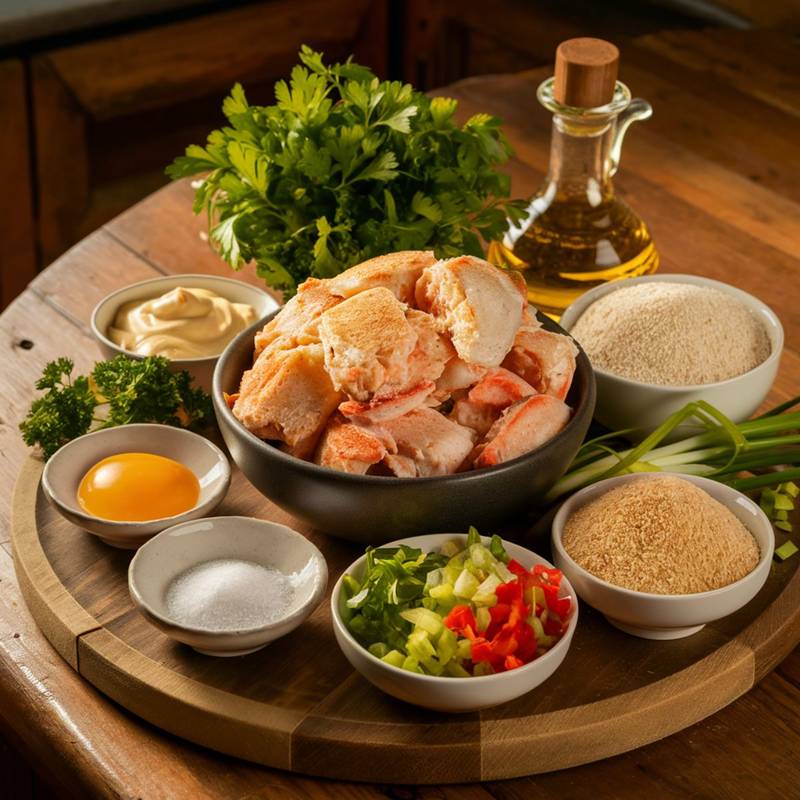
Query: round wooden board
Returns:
{"type": "Point", "coordinates": [299, 706]}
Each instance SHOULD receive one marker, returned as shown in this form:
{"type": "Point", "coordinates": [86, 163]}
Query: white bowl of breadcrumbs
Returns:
{"type": "Point", "coordinates": [661, 341]}
{"type": "Point", "coordinates": [659, 555]}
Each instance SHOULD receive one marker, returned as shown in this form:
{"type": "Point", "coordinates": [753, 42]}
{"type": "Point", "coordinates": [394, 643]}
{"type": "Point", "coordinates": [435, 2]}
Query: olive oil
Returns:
{"type": "Point", "coordinates": [572, 247]}
{"type": "Point", "coordinates": [577, 233]}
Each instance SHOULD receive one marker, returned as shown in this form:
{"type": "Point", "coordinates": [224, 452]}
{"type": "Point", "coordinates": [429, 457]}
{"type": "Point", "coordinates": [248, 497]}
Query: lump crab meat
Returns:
{"type": "Point", "coordinates": [477, 304]}
{"type": "Point", "coordinates": [351, 448]}
{"type": "Point", "coordinates": [397, 272]}
{"type": "Point", "coordinates": [545, 360]}
{"type": "Point", "coordinates": [523, 427]}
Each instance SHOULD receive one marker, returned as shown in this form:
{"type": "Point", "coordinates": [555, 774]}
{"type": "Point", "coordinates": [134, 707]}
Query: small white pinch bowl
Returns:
{"type": "Point", "coordinates": [446, 693]}
{"type": "Point", "coordinates": [65, 469]}
{"type": "Point", "coordinates": [623, 403]}
{"type": "Point", "coordinates": [184, 546]}
{"type": "Point", "coordinates": [662, 616]}
{"type": "Point", "coordinates": [202, 369]}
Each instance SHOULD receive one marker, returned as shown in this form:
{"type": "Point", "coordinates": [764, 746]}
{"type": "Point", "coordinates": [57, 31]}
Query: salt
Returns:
{"type": "Point", "coordinates": [228, 594]}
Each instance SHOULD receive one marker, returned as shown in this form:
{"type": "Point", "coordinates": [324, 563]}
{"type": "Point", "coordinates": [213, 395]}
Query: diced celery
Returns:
{"type": "Point", "coordinates": [442, 592]}
{"type": "Point", "coordinates": [483, 618]}
{"type": "Point", "coordinates": [451, 572]}
{"type": "Point", "coordinates": [455, 670]}
{"type": "Point", "coordinates": [394, 657]}
{"type": "Point", "coordinates": [429, 603]}
{"type": "Point", "coordinates": [481, 557]}
{"type": "Point", "coordinates": [782, 515]}
{"type": "Point", "coordinates": [792, 489]}
{"type": "Point", "coordinates": [411, 664]}
{"type": "Point", "coordinates": [379, 649]}
{"type": "Point", "coordinates": [538, 596]}
{"type": "Point", "coordinates": [446, 606]}
{"type": "Point", "coordinates": [423, 618]}
{"type": "Point", "coordinates": [433, 578]}
{"type": "Point", "coordinates": [483, 668]}
{"type": "Point", "coordinates": [432, 666]}
{"type": "Point", "coordinates": [464, 649]}
{"type": "Point", "coordinates": [446, 645]}
{"type": "Point", "coordinates": [473, 536]}
{"type": "Point", "coordinates": [466, 585]}
{"type": "Point", "coordinates": [472, 567]}
{"type": "Point", "coordinates": [542, 639]}
{"type": "Point", "coordinates": [419, 645]}
{"type": "Point", "coordinates": [451, 547]}
{"type": "Point", "coordinates": [485, 593]}
{"type": "Point", "coordinates": [783, 503]}
{"type": "Point", "coordinates": [350, 586]}
{"type": "Point", "coordinates": [502, 572]}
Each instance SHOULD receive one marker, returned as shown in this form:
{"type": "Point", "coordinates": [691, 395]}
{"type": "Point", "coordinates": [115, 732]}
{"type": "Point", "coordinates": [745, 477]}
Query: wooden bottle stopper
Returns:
{"type": "Point", "coordinates": [586, 72]}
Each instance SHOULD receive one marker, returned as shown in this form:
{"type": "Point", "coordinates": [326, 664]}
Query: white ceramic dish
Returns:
{"type": "Point", "coordinates": [624, 403]}
{"type": "Point", "coordinates": [445, 693]}
{"type": "Point", "coordinates": [65, 469]}
{"type": "Point", "coordinates": [201, 368]}
{"type": "Point", "coordinates": [186, 545]}
{"type": "Point", "coordinates": [659, 616]}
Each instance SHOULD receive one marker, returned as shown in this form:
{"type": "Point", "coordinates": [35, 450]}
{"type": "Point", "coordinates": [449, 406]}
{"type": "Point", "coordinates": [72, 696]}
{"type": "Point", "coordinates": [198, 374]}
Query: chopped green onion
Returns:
{"type": "Point", "coordinates": [786, 550]}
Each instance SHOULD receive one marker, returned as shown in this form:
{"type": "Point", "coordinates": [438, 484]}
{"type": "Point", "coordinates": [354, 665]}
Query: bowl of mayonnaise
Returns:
{"type": "Point", "coordinates": [188, 319]}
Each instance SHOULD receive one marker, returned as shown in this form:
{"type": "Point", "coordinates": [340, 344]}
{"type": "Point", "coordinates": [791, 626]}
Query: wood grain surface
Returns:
{"type": "Point", "coordinates": [715, 173]}
{"type": "Point", "coordinates": [301, 707]}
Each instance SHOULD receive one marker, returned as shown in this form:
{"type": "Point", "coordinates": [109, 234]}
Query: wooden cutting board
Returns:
{"type": "Point", "coordinates": [298, 705]}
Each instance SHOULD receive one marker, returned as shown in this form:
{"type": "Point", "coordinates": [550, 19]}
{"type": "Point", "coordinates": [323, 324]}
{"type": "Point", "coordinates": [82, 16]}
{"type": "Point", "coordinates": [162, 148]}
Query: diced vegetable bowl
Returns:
{"type": "Point", "coordinates": [454, 623]}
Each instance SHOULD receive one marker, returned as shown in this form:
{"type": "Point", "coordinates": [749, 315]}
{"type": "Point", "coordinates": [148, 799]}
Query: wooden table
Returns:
{"type": "Point", "coordinates": [716, 173]}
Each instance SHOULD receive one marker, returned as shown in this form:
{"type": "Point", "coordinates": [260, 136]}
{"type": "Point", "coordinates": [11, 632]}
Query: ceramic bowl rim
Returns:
{"type": "Point", "coordinates": [223, 482]}
{"type": "Point", "coordinates": [313, 600]}
{"type": "Point", "coordinates": [188, 276]}
{"type": "Point", "coordinates": [474, 680]}
{"type": "Point", "coordinates": [588, 399]}
{"type": "Point", "coordinates": [755, 305]}
{"type": "Point", "coordinates": [557, 531]}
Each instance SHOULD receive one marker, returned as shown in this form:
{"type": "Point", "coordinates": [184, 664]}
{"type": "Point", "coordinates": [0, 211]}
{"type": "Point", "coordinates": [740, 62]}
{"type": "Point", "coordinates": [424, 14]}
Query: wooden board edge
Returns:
{"type": "Point", "coordinates": [595, 731]}
{"type": "Point", "coordinates": [776, 631]}
{"type": "Point", "coordinates": [204, 715]}
{"type": "Point", "coordinates": [57, 613]}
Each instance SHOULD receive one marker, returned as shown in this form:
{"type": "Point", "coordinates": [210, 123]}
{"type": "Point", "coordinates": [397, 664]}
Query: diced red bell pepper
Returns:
{"type": "Point", "coordinates": [481, 650]}
{"type": "Point", "coordinates": [526, 642]}
{"type": "Point", "coordinates": [553, 626]}
{"type": "Point", "coordinates": [499, 613]}
{"type": "Point", "coordinates": [512, 662]}
{"type": "Point", "coordinates": [552, 576]}
{"type": "Point", "coordinates": [516, 568]}
{"type": "Point", "coordinates": [505, 642]}
{"type": "Point", "coordinates": [459, 618]}
{"type": "Point", "coordinates": [508, 592]}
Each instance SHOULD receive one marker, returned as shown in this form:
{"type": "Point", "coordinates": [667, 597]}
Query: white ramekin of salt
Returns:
{"type": "Point", "coordinates": [227, 586]}
{"type": "Point", "coordinates": [659, 342]}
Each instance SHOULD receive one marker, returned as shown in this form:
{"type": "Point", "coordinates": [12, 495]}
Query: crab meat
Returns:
{"type": "Point", "coordinates": [431, 352]}
{"type": "Point", "coordinates": [482, 405]}
{"type": "Point", "coordinates": [458, 374]}
{"type": "Point", "coordinates": [400, 466]}
{"type": "Point", "coordinates": [367, 342]}
{"type": "Point", "coordinates": [297, 322]}
{"type": "Point", "coordinates": [387, 406]}
{"type": "Point", "coordinates": [523, 427]}
{"type": "Point", "coordinates": [288, 396]}
{"type": "Point", "coordinates": [351, 448]}
{"type": "Point", "coordinates": [436, 445]}
{"type": "Point", "coordinates": [545, 360]}
{"type": "Point", "coordinates": [477, 304]}
{"type": "Point", "coordinates": [397, 272]}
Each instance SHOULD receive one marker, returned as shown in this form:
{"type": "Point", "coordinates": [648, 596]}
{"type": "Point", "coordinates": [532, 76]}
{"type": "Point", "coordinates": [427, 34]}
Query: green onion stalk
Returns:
{"type": "Point", "coordinates": [767, 447]}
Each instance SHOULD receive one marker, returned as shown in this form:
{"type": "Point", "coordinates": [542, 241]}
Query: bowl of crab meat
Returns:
{"type": "Point", "coordinates": [407, 394]}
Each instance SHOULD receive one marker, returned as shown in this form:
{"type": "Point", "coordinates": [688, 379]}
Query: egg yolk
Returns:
{"type": "Point", "coordinates": [134, 487]}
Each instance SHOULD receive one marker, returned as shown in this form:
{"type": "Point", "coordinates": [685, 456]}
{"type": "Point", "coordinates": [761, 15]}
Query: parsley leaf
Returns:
{"type": "Point", "coordinates": [344, 167]}
{"type": "Point", "coordinates": [123, 391]}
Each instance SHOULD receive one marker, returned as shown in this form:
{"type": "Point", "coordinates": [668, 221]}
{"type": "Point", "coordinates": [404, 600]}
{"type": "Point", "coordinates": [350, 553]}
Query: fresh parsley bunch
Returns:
{"type": "Point", "coordinates": [118, 392]}
{"type": "Point", "coordinates": [345, 167]}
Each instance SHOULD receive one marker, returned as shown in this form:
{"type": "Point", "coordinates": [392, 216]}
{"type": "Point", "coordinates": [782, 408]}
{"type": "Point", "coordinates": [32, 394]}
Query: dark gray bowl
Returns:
{"type": "Point", "coordinates": [374, 509]}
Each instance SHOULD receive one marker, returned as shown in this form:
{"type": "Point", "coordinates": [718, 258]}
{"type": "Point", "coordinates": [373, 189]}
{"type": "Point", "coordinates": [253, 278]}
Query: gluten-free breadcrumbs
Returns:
{"type": "Point", "coordinates": [662, 535]}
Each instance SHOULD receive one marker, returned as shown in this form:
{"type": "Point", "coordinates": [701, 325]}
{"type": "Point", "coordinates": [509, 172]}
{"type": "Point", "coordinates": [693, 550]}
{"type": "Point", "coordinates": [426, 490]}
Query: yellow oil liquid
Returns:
{"type": "Point", "coordinates": [572, 247]}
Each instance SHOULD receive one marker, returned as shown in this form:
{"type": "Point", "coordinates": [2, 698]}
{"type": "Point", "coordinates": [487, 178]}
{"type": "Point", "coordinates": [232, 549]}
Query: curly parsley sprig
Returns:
{"type": "Point", "coordinates": [344, 167]}
{"type": "Point", "coordinates": [117, 392]}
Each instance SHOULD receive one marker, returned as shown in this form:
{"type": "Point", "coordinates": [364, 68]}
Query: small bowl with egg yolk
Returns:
{"type": "Point", "coordinates": [127, 484]}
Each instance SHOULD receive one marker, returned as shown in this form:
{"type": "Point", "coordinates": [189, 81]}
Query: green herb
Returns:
{"type": "Point", "coordinates": [786, 550]}
{"type": "Point", "coordinates": [345, 167]}
{"type": "Point", "coordinates": [393, 576]}
{"type": "Point", "coordinates": [722, 452]}
{"type": "Point", "coordinates": [118, 392]}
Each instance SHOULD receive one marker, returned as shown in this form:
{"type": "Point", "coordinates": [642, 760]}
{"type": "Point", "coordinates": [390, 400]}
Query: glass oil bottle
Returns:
{"type": "Point", "coordinates": [578, 233]}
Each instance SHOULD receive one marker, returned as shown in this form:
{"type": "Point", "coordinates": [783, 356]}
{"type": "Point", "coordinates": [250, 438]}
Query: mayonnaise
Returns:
{"type": "Point", "coordinates": [183, 323]}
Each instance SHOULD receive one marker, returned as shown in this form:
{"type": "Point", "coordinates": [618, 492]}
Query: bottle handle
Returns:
{"type": "Point", "coordinates": [637, 109]}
